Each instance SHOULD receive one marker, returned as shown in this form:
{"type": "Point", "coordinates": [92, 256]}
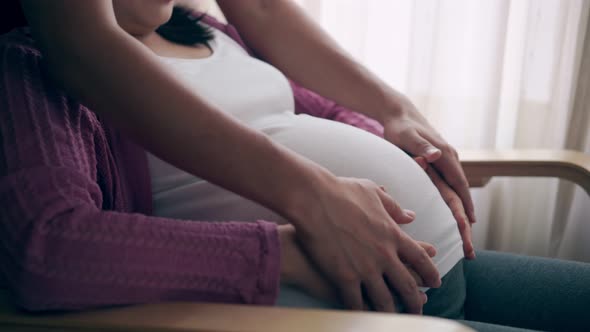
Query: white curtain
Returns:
{"type": "Point", "coordinates": [488, 74]}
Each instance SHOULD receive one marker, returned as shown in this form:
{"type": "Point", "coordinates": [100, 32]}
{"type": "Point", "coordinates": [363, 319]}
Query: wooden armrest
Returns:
{"type": "Point", "coordinates": [481, 165]}
{"type": "Point", "coordinates": [176, 317]}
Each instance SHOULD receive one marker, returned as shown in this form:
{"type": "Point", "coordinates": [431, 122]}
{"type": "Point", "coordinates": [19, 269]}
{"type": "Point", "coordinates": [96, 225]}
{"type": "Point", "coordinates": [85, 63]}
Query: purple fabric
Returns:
{"type": "Point", "coordinates": [75, 230]}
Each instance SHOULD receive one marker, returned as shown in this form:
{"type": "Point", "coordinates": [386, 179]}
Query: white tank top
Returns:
{"type": "Point", "coordinates": [259, 95]}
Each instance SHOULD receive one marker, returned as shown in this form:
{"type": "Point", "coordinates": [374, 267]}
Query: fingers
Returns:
{"type": "Point", "coordinates": [450, 169]}
{"type": "Point", "coordinates": [431, 252]}
{"type": "Point", "coordinates": [398, 214]}
{"type": "Point", "coordinates": [379, 295]}
{"type": "Point", "coordinates": [419, 146]}
{"type": "Point", "coordinates": [465, 231]}
{"type": "Point", "coordinates": [351, 296]}
{"type": "Point", "coordinates": [421, 161]}
{"type": "Point", "coordinates": [405, 286]}
{"type": "Point", "coordinates": [416, 277]}
{"type": "Point", "coordinates": [418, 258]}
{"type": "Point", "coordinates": [464, 227]}
{"type": "Point", "coordinates": [446, 160]}
{"type": "Point", "coordinates": [430, 249]}
{"type": "Point", "coordinates": [456, 206]}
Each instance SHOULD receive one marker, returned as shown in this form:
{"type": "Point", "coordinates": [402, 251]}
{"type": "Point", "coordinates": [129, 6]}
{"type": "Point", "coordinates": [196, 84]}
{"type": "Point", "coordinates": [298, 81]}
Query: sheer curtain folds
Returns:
{"type": "Point", "coordinates": [489, 74]}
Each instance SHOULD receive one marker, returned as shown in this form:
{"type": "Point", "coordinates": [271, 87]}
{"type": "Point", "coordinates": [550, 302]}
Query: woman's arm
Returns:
{"type": "Point", "coordinates": [281, 33]}
{"type": "Point", "coordinates": [307, 101]}
{"type": "Point", "coordinates": [61, 250]}
{"type": "Point", "coordinates": [112, 72]}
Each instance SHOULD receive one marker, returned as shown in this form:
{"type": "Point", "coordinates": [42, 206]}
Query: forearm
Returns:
{"type": "Point", "coordinates": [130, 87]}
{"type": "Point", "coordinates": [282, 34]}
{"type": "Point", "coordinates": [78, 257]}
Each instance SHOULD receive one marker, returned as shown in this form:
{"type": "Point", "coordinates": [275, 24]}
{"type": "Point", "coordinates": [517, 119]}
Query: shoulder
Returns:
{"type": "Point", "coordinates": [19, 54]}
{"type": "Point", "coordinates": [227, 29]}
{"type": "Point", "coordinates": [26, 86]}
{"type": "Point", "coordinates": [19, 41]}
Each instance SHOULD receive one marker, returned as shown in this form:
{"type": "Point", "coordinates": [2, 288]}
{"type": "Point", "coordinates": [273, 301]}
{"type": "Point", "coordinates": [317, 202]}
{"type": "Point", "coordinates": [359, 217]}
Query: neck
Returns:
{"type": "Point", "coordinates": [153, 41]}
{"type": "Point", "coordinates": [151, 37]}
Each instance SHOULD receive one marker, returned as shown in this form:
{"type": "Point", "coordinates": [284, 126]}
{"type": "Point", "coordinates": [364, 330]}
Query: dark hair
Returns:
{"type": "Point", "coordinates": [11, 16]}
{"type": "Point", "coordinates": [184, 28]}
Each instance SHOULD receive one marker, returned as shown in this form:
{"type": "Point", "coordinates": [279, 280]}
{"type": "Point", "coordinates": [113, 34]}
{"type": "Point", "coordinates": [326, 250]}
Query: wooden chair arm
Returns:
{"type": "Point", "coordinates": [177, 317]}
{"type": "Point", "coordinates": [481, 165]}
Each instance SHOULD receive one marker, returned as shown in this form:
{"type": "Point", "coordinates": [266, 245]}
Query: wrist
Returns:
{"type": "Point", "coordinates": [302, 194]}
{"type": "Point", "coordinates": [288, 247]}
{"type": "Point", "coordinates": [396, 105]}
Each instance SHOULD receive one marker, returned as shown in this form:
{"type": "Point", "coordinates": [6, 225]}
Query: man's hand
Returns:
{"type": "Point", "coordinates": [409, 130]}
{"type": "Point", "coordinates": [454, 203]}
{"type": "Point", "coordinates": [299, 271]}
{"type": "Point", "coordinates": [350, 231]}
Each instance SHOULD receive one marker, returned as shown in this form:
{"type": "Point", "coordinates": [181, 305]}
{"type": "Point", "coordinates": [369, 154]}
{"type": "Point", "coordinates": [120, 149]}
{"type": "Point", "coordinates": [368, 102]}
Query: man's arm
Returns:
{"type": "Point", "coordinates": [119, 78]}
{"type": "Point", "coordinates": [281, 33]}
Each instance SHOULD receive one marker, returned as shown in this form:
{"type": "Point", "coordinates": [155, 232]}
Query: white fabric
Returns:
{"type": "Point", "coordinates": [260, 96]}
{"type": "Point", "coordinates": [493, 75]}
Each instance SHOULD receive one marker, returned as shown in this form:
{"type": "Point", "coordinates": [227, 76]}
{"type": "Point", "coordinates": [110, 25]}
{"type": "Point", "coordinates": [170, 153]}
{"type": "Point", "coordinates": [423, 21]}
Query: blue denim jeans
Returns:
{"type": "Point", "coordinates": [500, 292]}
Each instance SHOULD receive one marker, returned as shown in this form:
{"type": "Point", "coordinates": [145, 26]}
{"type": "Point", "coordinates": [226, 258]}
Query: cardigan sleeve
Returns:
{"type": "Point", "coordinates": [309, 102]}
{"type": "Point", "coordinates": [61, 250]}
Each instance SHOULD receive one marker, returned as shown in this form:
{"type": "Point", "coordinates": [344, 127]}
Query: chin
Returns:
{"type": "Point", "coordinates": [140, 16]}
{"type": "Point", "coordinates": [164, 12]}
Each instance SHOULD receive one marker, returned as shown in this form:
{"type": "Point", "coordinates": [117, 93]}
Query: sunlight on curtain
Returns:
{"type": "Point", "coordinates": [488, 74]}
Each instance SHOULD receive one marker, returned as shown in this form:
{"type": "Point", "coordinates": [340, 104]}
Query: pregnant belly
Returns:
{"type": "Point", "coordinates": [351, 152]}
{"type": "Point", "coordinates": [345, 151]}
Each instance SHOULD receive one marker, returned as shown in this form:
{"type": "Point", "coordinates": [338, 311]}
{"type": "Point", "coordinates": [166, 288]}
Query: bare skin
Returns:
{"type": "Point", "coordinates": [359, 219]}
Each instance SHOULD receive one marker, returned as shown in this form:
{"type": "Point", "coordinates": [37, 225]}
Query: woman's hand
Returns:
{"type": "Point", "coordinates": [408, 129]}
{"type": "Point", "coordinates": [349, 230]}
{"type": "Point", "coordinates": [298, 270]}
{"type": "Point", "coordinates": [454, 202]}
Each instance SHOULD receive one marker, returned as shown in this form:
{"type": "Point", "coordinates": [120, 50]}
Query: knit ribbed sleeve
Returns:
{"type": "Point", "coordinates": [62, 246]}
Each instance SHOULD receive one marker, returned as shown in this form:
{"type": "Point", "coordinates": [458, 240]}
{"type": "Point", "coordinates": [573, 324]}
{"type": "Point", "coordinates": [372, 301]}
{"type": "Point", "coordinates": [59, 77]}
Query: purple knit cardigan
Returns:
{"type": "Point", "coordinates": [75, 205]}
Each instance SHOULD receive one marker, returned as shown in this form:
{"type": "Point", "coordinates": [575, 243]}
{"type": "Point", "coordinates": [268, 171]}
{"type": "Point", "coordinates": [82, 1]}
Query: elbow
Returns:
{"type": "Point", "coordinates": [41, 289]}
{"type": "Point", "coordinates": [38, 267]}
{"type": "Point", "coordinates": [36, 292]}
{"type": "Point", "coordinates": [35, 287]}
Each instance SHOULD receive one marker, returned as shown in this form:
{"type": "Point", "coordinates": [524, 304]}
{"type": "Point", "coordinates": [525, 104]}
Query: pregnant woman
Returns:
{"type": "Point", "coordinates": [261, 97]}
{"type": "Point", "coordinates": [77, 244]}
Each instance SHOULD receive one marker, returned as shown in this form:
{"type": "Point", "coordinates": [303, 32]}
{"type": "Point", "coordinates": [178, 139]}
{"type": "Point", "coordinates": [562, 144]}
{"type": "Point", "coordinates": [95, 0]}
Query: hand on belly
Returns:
{"type": "Point", "coordinates": [349, 229]}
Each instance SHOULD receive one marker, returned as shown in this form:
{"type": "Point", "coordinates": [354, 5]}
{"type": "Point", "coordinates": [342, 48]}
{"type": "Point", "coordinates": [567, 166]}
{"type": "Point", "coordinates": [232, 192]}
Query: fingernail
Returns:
{"type": "Point", "coordinates": [473, 221]}
{"type": "Point", "coordinates": [432, 150]}
{"type": "Point", "coordinates": [410, 213]}
{"type": "Point", "coordinates": [432, 251]}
